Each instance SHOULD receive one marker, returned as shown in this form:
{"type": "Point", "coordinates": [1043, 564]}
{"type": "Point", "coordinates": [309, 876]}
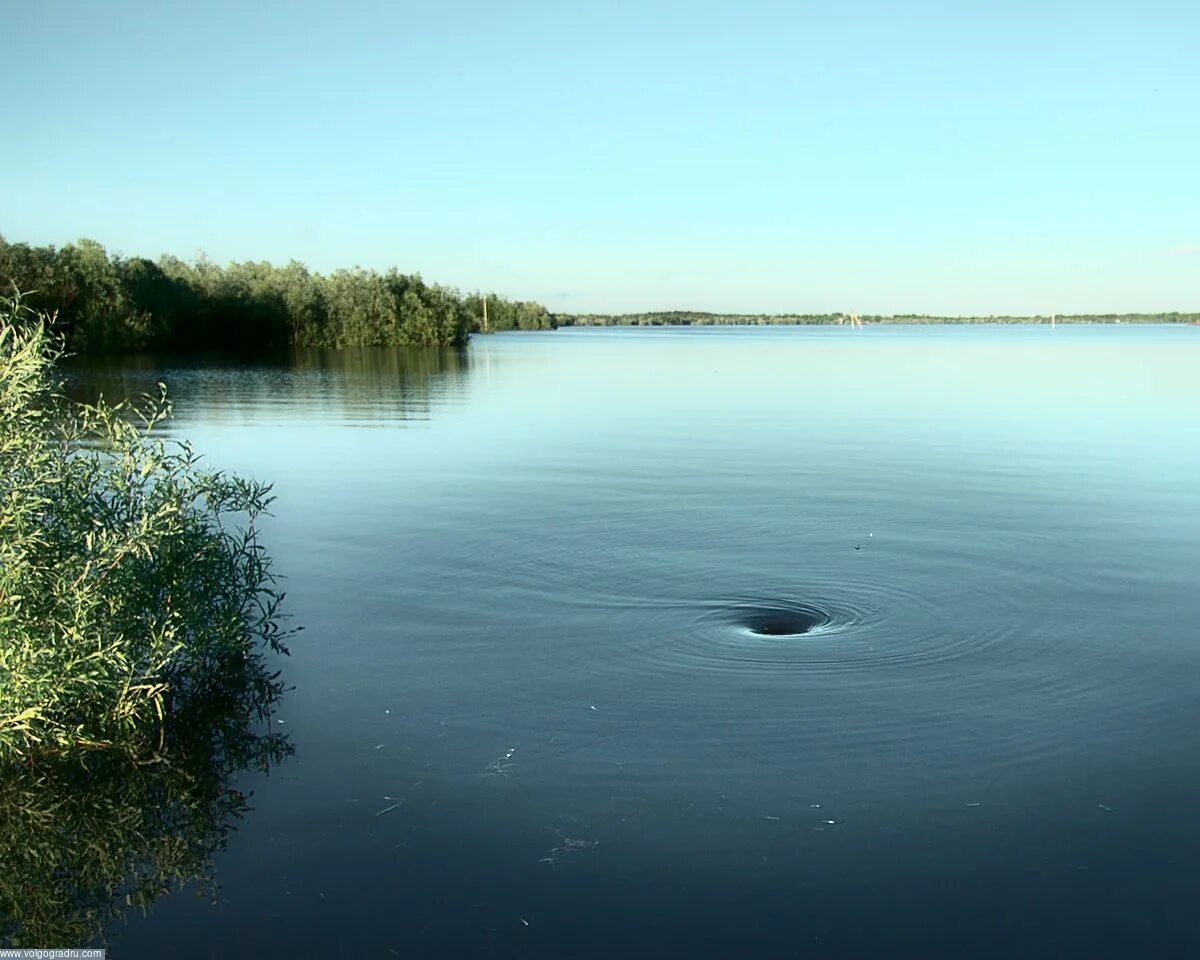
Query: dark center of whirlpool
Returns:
{"type": "Point", "coordinates": [788, 619]}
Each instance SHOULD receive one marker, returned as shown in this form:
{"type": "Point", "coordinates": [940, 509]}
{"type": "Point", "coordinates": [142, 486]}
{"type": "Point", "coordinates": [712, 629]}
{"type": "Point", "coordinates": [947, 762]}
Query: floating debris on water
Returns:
{"type": "Point", "coordinates": [772, 818]}
{"type": "Point", "coordinates": [389, 809]}
{"type": "Point", "coordinates": [1105, 807]}
{"type": "Point", "coordinates": [975, 804]}
{"type": "Point", "coordinates": [567, 845]}
{"type": "Point", "coordinates": [502, 766]}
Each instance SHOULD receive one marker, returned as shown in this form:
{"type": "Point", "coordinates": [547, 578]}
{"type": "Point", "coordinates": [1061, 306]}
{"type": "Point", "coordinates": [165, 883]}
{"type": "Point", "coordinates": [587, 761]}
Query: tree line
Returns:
{"type": "Point", "coordinates": [108, 303]}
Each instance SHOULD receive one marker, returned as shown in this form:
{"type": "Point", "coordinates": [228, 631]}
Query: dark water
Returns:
{"type": "Point", "coordinates": [723, 642]}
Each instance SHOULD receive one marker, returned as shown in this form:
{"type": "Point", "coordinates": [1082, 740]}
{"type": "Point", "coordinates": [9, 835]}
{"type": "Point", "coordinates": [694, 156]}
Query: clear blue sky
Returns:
{"type": "Point", "coordinates": [886, 156]}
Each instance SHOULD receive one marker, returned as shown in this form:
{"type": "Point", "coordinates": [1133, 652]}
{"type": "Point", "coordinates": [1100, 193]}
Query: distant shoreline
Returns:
{"type": "Point", "coordinates": [699, 319]}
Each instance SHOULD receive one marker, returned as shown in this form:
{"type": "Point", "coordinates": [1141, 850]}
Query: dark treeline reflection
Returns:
{"type": "Point", "coordinates": [353, 384]}
{"type": "Point", "coordinates": [111, 303]}
{"type": "Point", "coordinates": [85, 839]}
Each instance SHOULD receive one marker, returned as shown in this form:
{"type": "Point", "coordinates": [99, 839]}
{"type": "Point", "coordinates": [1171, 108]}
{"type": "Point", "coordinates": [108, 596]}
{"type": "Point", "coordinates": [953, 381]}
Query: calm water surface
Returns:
{"type": "Point", "coordinates": [548, 585]}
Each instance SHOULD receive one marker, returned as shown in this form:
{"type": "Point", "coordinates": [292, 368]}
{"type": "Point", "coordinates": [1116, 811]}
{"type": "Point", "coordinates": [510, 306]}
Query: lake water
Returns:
{"type": "Point", "coordinates": [548, 587]}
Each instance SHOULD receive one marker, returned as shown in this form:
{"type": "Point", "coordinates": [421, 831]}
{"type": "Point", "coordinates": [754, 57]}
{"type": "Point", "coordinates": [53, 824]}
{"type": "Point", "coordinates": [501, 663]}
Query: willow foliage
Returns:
{"type": "Point", "coordinates": [133, 587]}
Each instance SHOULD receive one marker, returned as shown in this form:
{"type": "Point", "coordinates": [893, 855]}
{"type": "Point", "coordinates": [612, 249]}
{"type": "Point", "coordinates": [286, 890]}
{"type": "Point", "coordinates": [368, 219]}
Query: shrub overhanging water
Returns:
{"type": "Point", "coordinates": [134, 593]}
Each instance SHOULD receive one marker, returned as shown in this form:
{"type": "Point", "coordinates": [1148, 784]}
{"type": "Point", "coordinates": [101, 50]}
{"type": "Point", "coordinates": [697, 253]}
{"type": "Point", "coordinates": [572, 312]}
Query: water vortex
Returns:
{"type": "Point", "coordinates": [790, 620]}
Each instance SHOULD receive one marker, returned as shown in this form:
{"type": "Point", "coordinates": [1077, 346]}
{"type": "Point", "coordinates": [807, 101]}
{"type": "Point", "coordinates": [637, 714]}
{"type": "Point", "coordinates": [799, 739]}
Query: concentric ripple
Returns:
{"type": "Point", "coordinates": [828, 626]}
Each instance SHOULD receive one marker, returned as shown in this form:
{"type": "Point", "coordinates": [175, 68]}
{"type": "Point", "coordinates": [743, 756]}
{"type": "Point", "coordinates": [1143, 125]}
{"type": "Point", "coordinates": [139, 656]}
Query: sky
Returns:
{"type": "Point", "coordinates": [962, 157]}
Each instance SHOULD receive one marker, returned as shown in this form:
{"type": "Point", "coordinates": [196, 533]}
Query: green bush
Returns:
{"type": "Point", "coordinates": [133, 590]}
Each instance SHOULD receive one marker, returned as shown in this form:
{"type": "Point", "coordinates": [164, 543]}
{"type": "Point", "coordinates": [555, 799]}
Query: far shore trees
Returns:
{"type": "Point", "coordinates": [107, 303]}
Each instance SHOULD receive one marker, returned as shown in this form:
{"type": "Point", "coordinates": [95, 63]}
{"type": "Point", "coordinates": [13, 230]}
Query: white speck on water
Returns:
{"type": "Point", "coordinates": [975, 804]}
{"type": "Point", "coordinates": [502, 766]}
{"type": "Point", "coordinates": [1105, 807]}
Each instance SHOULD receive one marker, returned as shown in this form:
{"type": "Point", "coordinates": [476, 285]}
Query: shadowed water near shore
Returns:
{"type": "Point", "coordinates": [364, 385]}
{"type": "Point", "coordinates": [603, 672]}
{"type": "Point", "coordinates": [85, 841]}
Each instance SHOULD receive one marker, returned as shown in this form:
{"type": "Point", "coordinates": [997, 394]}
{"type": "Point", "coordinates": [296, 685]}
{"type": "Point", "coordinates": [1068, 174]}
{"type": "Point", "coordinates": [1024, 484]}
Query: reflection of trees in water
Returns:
{"type": "Point", "coordinates": [359, 383]}
{"type": "Point", "coordinates": [399, 382]}
{"type": "Point", "coordinates": [139, 624]}
{"type": "Point", "coordinates": [84, 840]}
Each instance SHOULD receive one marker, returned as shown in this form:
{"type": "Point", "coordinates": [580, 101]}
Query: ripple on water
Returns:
{"type": "Point", "coordinates": [831, 627]}
{"type": "Point", "coordinates": [892, 657]}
